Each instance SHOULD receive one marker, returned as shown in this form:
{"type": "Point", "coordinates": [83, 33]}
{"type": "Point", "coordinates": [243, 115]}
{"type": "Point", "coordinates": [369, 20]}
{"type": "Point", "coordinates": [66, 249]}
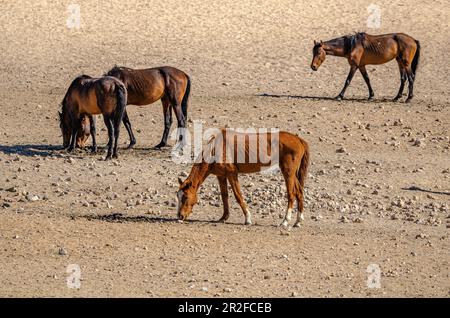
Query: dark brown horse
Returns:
{"type": "Point", "coordinates": [231, 153]}
{"type": "Point", "coordinates": [362, 49]}
{"type": "Point", "coordinates": [89, 96]}
{"type": "Point", "coordinates": [146, 86]}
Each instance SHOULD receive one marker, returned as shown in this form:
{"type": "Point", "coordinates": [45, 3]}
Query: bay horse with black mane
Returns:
{"type": "Point", "coordinates": [146, 86]}
{"type": "Point", "coordinates": [230, 153]}
{"type": "Point", "coordinates": [362, 49]}
{"type": "Point", "coordinates": [89, 96]}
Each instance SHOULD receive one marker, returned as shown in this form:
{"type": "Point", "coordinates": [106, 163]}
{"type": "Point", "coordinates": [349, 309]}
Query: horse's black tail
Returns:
{"type": "Point", "coordinates": [416, 58]}
{"type": "Point", "coordinates": [184, 102]}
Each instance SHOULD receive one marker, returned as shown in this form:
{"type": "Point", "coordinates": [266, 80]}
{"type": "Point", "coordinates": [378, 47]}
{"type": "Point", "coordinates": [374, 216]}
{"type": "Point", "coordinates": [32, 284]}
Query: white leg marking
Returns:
{"type": "Point", "coordinates": [300, 218]}
{"type": "Point", "coordinates": [248, 218]}
{"type": "Point", "coordinates": [287, 218]}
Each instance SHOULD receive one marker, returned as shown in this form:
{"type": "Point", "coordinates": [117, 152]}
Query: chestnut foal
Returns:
{"type": "Point", "coordinates": [247, 153]}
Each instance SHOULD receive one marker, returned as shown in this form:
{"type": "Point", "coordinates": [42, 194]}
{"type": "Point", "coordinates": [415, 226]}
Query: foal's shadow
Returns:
{"type": "Point", "coordinates": [122, 218]}
{"type": "Point", "coordinates": [32, 150]}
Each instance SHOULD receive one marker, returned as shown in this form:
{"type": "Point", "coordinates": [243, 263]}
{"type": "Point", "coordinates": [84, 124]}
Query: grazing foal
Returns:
{"type": "Point", "coordinates": [362, 49]}
{"type": "Point", "coordinates": [229, 153]}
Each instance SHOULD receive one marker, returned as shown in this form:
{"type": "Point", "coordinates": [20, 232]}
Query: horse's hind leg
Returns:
{"type": "Point", "coordinates": [289, 178]}
{"type": "Point", "coordinates": [299, 195]}
{"type": "Point", "coordinates": [363, 71]}
{"type": "Point", "coordinates": [234, 182]}
{"type": "Point", "coordinates": [403, 78]}
{"type": "Point", "coordinates": [127, 124]}
{"type": "Point", "coordinates": [109, 125]}
{"type": "Point", "coordinates": [93, 132]}
{"type": "Point", "coordinates": [176, 99]}
{"type": "Point", "coordinates": [224, 194]}
{"type": "Point", "coordinates": [167, 111]}
{"type": "Point", "coordinates": [410, 76]}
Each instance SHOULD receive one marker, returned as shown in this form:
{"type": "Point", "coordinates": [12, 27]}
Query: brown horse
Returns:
{"type": "Point", "coordinates": [146, 86]}
{"type": "Point", "coordinates": [362, 49]}
{"type": "Point", "coordinates": [247, 153]}
{"type": "Point", "coordinates": [89, 96]}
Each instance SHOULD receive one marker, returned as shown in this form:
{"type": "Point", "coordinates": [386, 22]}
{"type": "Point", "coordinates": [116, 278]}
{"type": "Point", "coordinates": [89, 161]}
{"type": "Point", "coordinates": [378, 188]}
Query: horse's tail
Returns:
{"type": "Point", "coordinates": [184, 102]}
{"type": "Point", "coordinates": [302, 170]}
{"type": "Point", "coordinates": [415, 61]}
{"type": "Point", "coordinates": [121, 100]}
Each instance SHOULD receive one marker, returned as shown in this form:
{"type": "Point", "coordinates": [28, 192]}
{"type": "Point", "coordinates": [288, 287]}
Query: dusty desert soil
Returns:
{"type": "Point", "coordinates": [249, 62]}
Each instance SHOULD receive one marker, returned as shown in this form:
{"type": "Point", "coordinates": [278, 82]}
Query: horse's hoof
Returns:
{"type": "Point", "coordinates": [94, 149]}
{"type": "Point", "coordinates": [297, 224]}
{"type": "Point", "coordinates": [131, 145]}
{"type": "Point", "coordinates": [370, 98]}
{"type": "Point", "coordinates": [396, 99]}
{"type": "Point", "coordinates": [115, 156]}
{"type": "Point", "coordinates": [339, 97]}
{"type": "Point", "coordinates": [283, 224]}
{"type": "Point", "coordinates": [160, 145]}
{"type": "Point", "coordinates": [248, 223]}
{"type": "Point", "coordinates": [408, 100]}
{"type": "Point", "coordinates": [108, 157]}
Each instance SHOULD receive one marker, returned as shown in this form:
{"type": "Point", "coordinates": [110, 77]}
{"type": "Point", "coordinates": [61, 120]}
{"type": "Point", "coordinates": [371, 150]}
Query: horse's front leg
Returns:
{"type": "Point", "coordinates": [73, 138]}
{"type": "Point", "coordinates": [363, 71]}
{"type": "Point", "coordinates": [224, 194]}
{"type": "Point", "coordinates": [181, 125]}
{"type": "Point", "coordinates": [234, 182]}
{"type": "Point", "coordinates": [353, 69]}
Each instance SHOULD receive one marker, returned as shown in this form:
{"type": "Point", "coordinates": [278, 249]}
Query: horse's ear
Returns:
{"type": "Point", "coordinates": [315, 42]}
{"type": "Point", "coordinates": [321, 42]}
{"type": "Point", "coordinates": [180, 181]}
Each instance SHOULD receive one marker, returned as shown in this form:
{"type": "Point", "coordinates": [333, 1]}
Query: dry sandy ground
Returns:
{"type": "Point", "coordinates": [116, 220]}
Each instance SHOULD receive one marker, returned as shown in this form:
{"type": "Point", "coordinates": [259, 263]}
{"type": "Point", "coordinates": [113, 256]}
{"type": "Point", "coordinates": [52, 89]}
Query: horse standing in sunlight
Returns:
{"type": "Point", "coordinates": [362, 49]}
{"type": "Point", "coordinates": [229, 153]}
{"type": "Point", "coordinates": [146, 86]}
{"type": "Point", "coordinates": [89, 96]}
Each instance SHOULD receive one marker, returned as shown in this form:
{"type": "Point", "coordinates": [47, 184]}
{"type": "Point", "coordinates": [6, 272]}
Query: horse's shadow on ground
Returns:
{"type": "Point", "coordinates": [32, 150]}
{"type": "Point", "coordinates": [307, 97]}
{"type": "Point", "coordinates": [414, 188]}
{"type": "Point", "coordinates": [122, 218]}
